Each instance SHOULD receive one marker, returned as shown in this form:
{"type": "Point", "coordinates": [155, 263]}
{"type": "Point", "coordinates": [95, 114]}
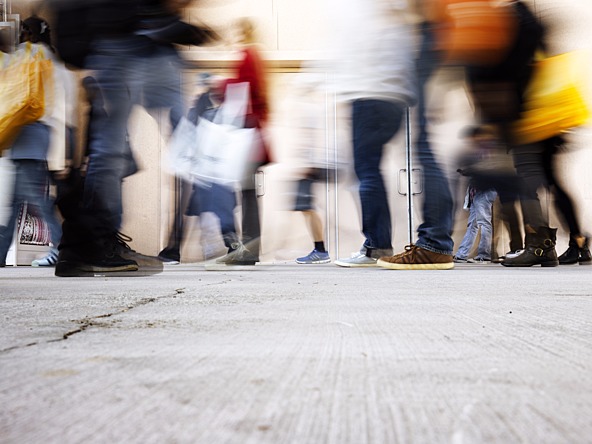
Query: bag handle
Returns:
{"type": "Point", "coordinates": [234, 109]}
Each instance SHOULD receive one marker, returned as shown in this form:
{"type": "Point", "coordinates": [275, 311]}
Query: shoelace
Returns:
{"type": "Point", "coordinates": [123, 239]}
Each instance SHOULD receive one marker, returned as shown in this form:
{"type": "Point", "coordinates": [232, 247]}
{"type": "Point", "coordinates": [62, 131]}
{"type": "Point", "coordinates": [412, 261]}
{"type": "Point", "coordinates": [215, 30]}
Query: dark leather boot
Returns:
{"type": "Point", "coordinates": [571, 255]}
{"type": "Point", "coordinates": [577, 251]}
{"type": "Point", "coordinates": [540, 250]}
{"type": "Point", "coordinates": [584, 252]}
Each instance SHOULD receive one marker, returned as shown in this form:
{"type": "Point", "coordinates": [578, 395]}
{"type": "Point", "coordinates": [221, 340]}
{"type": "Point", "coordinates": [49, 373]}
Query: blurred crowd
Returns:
{"type": "Point", "coordinates": [376, 69]}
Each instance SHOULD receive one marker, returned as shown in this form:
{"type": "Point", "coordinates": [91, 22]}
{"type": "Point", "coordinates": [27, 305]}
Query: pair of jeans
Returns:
{"type": "Point", "coordinates": [435, 232]}
{"type": "Point", "coordinates": [479, 219]}
{"type": "Point", "coordinates": [129, 71]}
{"type": "Point", "coordinates": [31, 180]}
{"type": "Point", "coordinates": [374, 122]}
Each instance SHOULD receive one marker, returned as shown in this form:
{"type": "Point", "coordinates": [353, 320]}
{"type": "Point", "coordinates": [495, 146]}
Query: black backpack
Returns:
{"type": "Point", "coordinates": [78, 22]}
{"type": "Point", "coordinates": [72, 33]}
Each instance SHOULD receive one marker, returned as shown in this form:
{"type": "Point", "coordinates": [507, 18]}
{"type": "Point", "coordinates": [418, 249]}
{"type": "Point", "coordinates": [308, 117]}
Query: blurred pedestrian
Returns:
{"type": "Point", "coordinates": [433, 248]}
{"type": "Point", "coordinates": [251, 69]}
{"type": "Point", "coordinates": [478, 201]}
{"type": "Point", "coordinates": [40, 146]}
{"type": "Point", "coordinates": [134, 61]}
{"type": "Point", "coordinates": [205, 104]}
{"type": "Point", "coordinates": [374, 73]}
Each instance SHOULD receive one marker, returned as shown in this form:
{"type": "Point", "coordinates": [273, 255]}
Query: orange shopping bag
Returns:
{"type": "Point", "coordinates": [554, 101]}
{"type": "Point", "coordinates": [23, 93]}
{"type": "Point", "coordinates": [474, 32]}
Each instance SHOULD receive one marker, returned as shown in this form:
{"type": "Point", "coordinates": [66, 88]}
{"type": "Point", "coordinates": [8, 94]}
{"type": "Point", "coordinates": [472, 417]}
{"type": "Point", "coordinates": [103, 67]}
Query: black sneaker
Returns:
{"type": "Point", "coordinates": [73, 264]}
{"type": "Point", "coordinates": [170, 256]}
{"type": "Point", "coordinates": [144, 261]}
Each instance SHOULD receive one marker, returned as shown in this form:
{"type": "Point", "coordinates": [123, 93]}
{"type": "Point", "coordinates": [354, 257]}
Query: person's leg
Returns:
{"type": "Point", "coordinates": [528, 160]}
{"type": "Point", "coordinates": [223, 203]}
{"type": "Point", "coordinates": [35, 193]}
{"type": "Point", "coordinates": [508, 186]}
{"type": "Point", "coordinates": [469, 238]}
{"type": "Point", "coordinates": [577, 250]}
{"type": "Point", "coordinates": [483, 207]}
{"type": "Point", "coordinates": [303, 204]}
{"type": "Point", "coordinates": [511, 222]}
{"type": "Point", "coordinates": [374, 124]}
{"type": "Point", "coordinates": [7, 231]}
{"type": "Point", "coordinates": [540, 238]}
{"type": "Point", "coordinates": [435, 232]}
{"type": "Point", "coordinates": [251, 223]}
{"type": "Point", "coordinates": [115, 65]}
{"type": "Point", "coordinates": [314, 225]}
{"type": "Point", "coordinates": [90, 240]}
{"type": "Point", "coordinates": [182, 196]}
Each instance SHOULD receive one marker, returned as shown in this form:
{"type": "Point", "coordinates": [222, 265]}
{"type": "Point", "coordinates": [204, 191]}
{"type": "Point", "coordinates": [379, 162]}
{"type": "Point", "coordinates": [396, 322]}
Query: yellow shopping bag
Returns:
{"type": "Point", "coordinates": [554, 100]}
{"type": "Point", "coordinates": [23, 93]}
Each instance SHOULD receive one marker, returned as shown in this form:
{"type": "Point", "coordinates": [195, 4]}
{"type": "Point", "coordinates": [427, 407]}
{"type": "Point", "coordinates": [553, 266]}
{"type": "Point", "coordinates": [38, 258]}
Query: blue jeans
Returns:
{"type": "Point", "coordinates": [479, 218]}
{"type": "Point", "coordinates": [221, 201]}
{"type": "Point", "coordinates": [375, 122]}
{"type": "Point", "coordinates": [128, 71]}
{"type": "Point", "coordinates": [30, 185]}
{"type": "Point", "coordinates": [435, 233]}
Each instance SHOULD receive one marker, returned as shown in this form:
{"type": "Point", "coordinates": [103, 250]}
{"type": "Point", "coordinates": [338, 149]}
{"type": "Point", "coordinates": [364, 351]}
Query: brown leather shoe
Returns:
{"type": "Point", "coordinates": [417, 258]}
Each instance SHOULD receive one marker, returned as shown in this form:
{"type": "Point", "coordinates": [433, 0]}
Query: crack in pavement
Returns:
{"type": "Point", "coordinates": [87, 322]}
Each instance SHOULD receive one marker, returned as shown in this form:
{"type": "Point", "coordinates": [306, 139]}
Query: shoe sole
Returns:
{"type": "Point", "coordinates": [324, 261]}
{"type": "Point", "coordinates": [348, 265]}
{"type": "Point", "coordinates": [232, 267]}
{"type": "Point", "coordinates": [546, 264]}
{"type": "Point", "coordinates": [395, 266]}
{"type": "Point", "coordinates": [76, 269]}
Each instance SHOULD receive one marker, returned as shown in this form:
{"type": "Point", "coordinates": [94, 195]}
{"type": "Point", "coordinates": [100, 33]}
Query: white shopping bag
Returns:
{"type": "Point", "coordinates": [225, 152]}
{"type": "Point", "coordinates": [183, 155]}
{"type": "Point", "coordinates": [225, 148]}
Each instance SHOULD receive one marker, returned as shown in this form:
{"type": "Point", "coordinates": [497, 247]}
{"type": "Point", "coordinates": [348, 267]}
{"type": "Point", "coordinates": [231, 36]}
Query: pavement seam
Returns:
{"type": "Point", "coordinates": [86, 323]}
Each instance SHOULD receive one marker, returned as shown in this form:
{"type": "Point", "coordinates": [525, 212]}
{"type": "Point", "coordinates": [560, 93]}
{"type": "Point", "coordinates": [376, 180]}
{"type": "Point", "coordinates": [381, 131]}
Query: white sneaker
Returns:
{"type": "Point", "coordinates": [478, 260]}
{"type": "Point", "coordinates": [48, 261]}
{"type": "Point", "coordinates": [359, 260]}
{"type": "Point", "coordinates": [514, 254]}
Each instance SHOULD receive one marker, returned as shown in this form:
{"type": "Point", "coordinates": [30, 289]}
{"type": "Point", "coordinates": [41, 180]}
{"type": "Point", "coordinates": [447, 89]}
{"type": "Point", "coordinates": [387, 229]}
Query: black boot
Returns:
{"type": "Point", "coordinates": [540, 250]}
{"type": "Point", "coordinates": [584, 252]}
{"type": "Point", "coordinates": [577, 251]}
{"type": "Point", "coordinates": [571, 255]}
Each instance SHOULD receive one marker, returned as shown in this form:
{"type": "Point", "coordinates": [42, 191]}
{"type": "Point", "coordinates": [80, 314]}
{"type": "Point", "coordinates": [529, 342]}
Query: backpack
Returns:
{"type": "Point", "coordinates": [72, 30]}
{"type": "Point", "coordinates": [79, 22]}
{"type": "Point", "coordinates": [475, 32]}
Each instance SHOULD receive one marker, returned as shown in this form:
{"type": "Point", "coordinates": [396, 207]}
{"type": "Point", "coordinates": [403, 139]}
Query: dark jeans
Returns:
{"type": "Point", "coordinates": [435, 233]}
{"type": "Point", "coordinates": [535, 166]}
{"type": "Point", "coordinates": [129, 70]}
{"type": "Point", "coordinates": [375, 122]}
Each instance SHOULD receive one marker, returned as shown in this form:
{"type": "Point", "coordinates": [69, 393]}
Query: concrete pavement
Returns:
{"type": "Point", "coordinates": [289, 353]}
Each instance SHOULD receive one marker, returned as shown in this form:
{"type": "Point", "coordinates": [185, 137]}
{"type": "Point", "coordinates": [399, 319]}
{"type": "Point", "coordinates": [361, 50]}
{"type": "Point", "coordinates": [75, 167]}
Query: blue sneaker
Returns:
{"type": "Point", "coordinates": [314, 257]}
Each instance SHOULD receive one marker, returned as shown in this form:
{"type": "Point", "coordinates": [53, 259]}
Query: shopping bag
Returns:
{"type": "Point", "coordinates": [225, 147]}
{"type": "Point", "coordinates": [554, 100]}
{"type": "Point", "coordinates": [224, 152]}
{"type": "Point", "coordinates": [474, 32]}
{"type": "Point", "coordinates": [182, 153]}
{"type": "Point", "coordinates": [23, 95]}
